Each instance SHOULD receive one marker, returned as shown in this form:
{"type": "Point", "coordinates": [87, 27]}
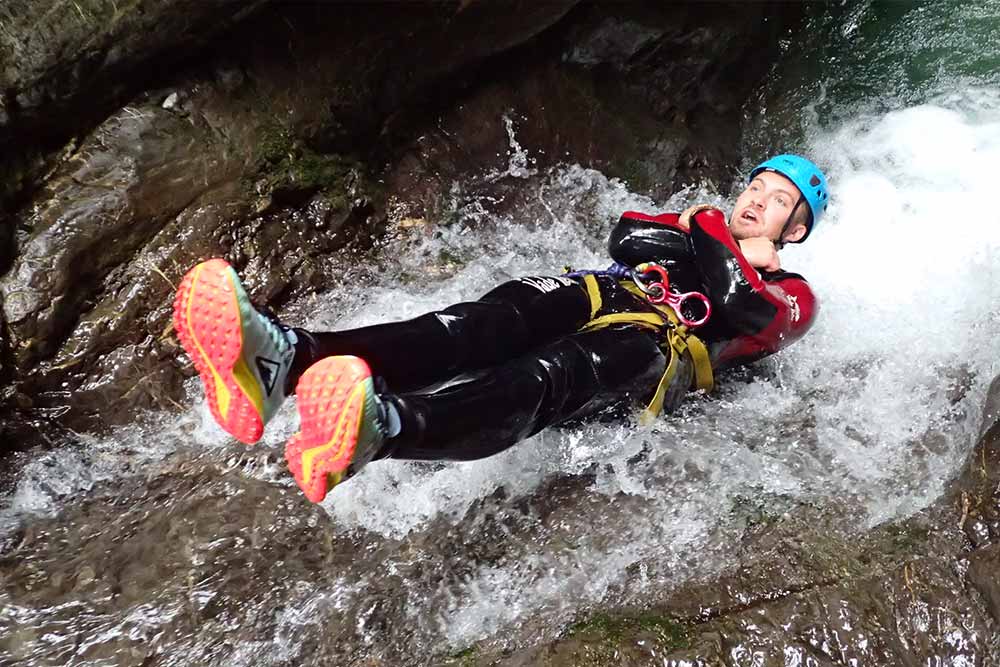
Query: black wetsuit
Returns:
{"type": "Point", "coordinates": [474, 378]}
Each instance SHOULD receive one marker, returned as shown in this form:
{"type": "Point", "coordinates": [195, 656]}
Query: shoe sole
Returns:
{"type": "Point", "coordinates": [208, 321]}
{"type": "Point", "coordinates": [331, 397]}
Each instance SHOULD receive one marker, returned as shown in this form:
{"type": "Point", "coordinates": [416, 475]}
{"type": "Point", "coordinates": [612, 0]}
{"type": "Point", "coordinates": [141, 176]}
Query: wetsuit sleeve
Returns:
{"type": "Point", "coordinates": [639, 238]}
{"type": "Point", "coordinates": [766, 312]}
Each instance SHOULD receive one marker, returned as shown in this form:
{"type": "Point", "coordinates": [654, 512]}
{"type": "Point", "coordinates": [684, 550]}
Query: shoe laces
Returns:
{"type": "Point", "coordinates": [277, 330]}
{"type": "Point", "coordinates": [266, 311]}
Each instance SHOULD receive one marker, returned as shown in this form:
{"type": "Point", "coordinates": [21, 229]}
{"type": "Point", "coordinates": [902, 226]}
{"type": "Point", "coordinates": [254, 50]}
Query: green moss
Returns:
{"type": "Point", "coordinates": [905, 539]}
{"type": "Point", "coordinates": [636, 174]}
{"type": "Point", "coordinates": [103, 13]}
{"type": "Point", "coordinates": [464, 658]}
{"type": "Point", "coordinates": [447, 256]}
{"type": "Point", "coordinates": [285, 168]}
{"type": "Point", "coordinates": [759, 512]}
{"type": "Point", "coordinates": [613, 629]}
{"type": "Point", "coordinates": [275, 143]}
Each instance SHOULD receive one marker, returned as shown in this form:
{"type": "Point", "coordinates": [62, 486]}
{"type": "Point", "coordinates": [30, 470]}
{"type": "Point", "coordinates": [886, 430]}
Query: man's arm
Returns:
{"type": "Point", "coordinates": [766, 314]}
{"type": "Point", "coordinates": [639, 238]}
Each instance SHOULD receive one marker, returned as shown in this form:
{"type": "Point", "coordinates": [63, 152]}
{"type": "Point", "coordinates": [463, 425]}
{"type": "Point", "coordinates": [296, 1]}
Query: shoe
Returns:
{"type": "Point", "coordinates": [242, 356]}
{"type": "Point", "coordinates": [343, 424]}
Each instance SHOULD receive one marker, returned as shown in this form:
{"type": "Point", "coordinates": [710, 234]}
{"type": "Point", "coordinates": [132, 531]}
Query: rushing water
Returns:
{"type": "Point", "coordinates": [171, 544]}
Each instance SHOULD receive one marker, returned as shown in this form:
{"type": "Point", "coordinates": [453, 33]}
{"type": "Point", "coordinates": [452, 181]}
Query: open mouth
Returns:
{"type": "Point", "coordinates": [749, 216]}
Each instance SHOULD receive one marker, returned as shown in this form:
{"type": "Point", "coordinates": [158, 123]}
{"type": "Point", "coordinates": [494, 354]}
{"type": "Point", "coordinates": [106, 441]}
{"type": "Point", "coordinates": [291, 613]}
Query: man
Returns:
{"type": "Point", "coordinates": [473, 379]}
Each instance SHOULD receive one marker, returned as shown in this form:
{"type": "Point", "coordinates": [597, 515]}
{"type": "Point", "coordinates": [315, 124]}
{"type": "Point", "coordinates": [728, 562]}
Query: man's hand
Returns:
{"type": "Point", "coordinates": [761, 253]}
{"type": "Point", "coordinates": [685, 218]}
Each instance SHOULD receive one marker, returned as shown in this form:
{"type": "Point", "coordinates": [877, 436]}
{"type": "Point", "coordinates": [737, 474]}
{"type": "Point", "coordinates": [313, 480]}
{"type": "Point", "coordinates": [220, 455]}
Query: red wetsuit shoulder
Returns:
{"type": "Point", "coordinates": [665, 219]}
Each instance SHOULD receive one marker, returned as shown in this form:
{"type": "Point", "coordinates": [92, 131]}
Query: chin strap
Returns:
{"type": "Point", "coordinates": [780, 243]}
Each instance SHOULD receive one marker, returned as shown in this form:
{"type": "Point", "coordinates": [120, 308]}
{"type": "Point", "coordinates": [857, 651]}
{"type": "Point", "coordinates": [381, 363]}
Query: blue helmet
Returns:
{"type": "Point", "coordinates": [807, 177]}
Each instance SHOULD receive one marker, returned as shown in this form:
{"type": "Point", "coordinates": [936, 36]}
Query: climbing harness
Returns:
{"type": "Point", "coordinates": [667, 319]}
{"type": "Point", "coordinates": [656, 291]}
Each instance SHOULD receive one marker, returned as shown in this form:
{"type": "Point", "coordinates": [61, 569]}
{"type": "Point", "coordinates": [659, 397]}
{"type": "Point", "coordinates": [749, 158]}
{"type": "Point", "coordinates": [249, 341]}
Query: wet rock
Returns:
{"type": "Point", "coordinates": [649, 94]}
{"type": "Point", "coordinates": [68, 65]}
{"type": "Point", "coordinates": [79, 299]}
{"type": "Point", "coordinates": [916, 614]}
{"type": "Point", "coordinates": [984, 575]}
{"type": "Point", "coordinates": [991, 410]}
{"type": "Point", "coordinates": [140, 559]}
{"type": "Point", "coordinates": [227, 560]}
{"type": "Point", "coordinates": [106, 201]}
{"type": "Point", "coordinates": [7, 246]}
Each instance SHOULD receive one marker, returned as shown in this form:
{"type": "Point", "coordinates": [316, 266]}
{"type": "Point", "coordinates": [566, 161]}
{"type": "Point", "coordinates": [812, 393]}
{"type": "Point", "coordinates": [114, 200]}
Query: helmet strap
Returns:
{"type": "Point", "coordinates": [780, 243]}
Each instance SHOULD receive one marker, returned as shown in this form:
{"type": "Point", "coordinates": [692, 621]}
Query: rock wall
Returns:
{"type": "Point", "coordinates": [66, 66]}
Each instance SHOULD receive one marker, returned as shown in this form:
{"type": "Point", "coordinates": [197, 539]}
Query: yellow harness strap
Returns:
{"type": "Point", "coordinates": [678, 341]}
{"type": "Point", "coordinates": [594, 293]}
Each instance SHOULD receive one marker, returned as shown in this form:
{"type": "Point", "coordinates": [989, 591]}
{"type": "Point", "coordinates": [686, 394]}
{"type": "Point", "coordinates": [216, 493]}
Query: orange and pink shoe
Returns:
{"type": "Point", "coordinates": [243, 357]}
{"type": "Point", "coordinates": [342, 422]}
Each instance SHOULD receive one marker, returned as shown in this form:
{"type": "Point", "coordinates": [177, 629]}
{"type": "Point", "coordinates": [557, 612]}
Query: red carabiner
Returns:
{"type": "Point", "coordinates": [658, 270]}
{"type": "Point", "coordinates": [657, 291]}
{"type": "Point", "coordinates": [675, 301]}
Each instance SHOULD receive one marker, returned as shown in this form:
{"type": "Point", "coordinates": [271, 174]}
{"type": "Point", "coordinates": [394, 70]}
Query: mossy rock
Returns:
{"type": "Point", "coordinates": [464, 658]}
{"type": "Point", "coordinates": [609, 639]}
{"type": "Point", "coordinates": [606, 627]}
{"type": "Point", "coordinates": [288, 172]}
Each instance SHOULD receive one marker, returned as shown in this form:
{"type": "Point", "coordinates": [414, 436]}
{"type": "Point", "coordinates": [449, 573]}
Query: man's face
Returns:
{"type": "Point", "coordinates": [762, 209]}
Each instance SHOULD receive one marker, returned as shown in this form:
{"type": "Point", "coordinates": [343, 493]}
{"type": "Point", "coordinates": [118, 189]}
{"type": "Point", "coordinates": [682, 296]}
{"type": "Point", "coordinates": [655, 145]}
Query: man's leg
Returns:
{"type": "Point", "coordinates": [479, 415]}
{"type": "Point", "coordinates": [249, 362]}
{"type": "Point", "coordinates": [470, 417]}
{"type": "Point", "coordinates": [501, 325]}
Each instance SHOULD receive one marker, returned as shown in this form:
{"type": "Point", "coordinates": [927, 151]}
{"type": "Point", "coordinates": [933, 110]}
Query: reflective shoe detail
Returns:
{"type": "Point", "coordinates": [241, 356]}
{"type": "Point", "coordinates": [340, 421]}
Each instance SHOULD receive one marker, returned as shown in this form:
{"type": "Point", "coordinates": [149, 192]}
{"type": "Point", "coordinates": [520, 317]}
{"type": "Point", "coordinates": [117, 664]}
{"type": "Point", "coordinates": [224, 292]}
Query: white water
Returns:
{"type": "Point", "coordinates": [906, 265]}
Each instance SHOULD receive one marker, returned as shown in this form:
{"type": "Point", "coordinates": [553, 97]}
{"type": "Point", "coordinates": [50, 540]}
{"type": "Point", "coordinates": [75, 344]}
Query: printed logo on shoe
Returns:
{"type": "Point", "coordinates": [268, 371]}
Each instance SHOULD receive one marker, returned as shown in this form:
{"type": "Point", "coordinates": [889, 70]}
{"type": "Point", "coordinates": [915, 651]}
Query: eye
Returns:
{"type": "Point", "coordinates": [781, 201]}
